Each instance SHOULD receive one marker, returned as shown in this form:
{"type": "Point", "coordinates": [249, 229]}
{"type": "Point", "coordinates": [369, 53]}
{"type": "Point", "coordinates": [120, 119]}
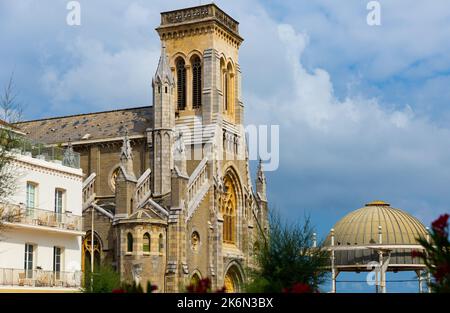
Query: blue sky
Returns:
{"type": "Point", "coordinates": [363, 111]}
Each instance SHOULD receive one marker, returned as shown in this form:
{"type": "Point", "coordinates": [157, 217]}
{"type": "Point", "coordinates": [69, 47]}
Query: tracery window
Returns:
{"type": "Point", "coordinates": [181, 84]}
{"type": "Point", "coordinates": [229, 205]}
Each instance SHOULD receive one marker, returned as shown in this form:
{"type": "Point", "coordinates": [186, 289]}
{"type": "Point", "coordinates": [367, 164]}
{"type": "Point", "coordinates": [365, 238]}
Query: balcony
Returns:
{"type": "Point", "coordinates": [11, 277]}
{"type": "Point", "coordinates": [19, 214]}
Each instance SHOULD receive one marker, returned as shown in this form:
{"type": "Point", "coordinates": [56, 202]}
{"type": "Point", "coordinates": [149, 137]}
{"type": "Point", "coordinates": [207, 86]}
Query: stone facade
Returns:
{"type": "Point", "coordinates": [172, 195]}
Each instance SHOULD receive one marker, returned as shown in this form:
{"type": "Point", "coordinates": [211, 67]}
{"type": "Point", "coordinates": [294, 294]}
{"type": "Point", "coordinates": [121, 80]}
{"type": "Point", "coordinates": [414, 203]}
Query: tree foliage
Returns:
{"type": "Point", "coordinates": [437, 254]}
{"type": "Point", "coordinates": [10, 112]}
{"type": "Point", "coordinates": [287, 261]}
{"type": "Point", "coordinates": [105, 280]}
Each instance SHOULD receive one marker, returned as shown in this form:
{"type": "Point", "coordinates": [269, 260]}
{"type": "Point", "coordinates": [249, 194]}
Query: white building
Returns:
{"type": "Point", "coordinates": [40, 242]}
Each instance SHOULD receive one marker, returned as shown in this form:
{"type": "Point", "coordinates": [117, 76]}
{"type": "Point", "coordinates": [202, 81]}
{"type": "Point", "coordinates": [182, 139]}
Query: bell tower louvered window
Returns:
{"type": "Point", "coordinates": [196, 83]}
{"type": "Point", "coordinates": [181, 84]}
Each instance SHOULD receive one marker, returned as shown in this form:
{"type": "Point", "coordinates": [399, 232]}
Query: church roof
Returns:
{"type": "Point", "coordinates": [91, 126]}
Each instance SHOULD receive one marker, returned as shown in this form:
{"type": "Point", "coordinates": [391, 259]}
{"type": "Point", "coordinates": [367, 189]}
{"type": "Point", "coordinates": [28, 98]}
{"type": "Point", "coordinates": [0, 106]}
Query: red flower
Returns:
{"type": "Point", "coordinates": [202, 286]}
{"type": "Point", "coordinates": [298, 288]}
{"type": "Point", "coordinates": [153, 288]}
{"type": "Point", "coordinates": [442, 270]}
{"type": "Point", "coordinates": [417, 254]}
{"type": "Point", "coordinates": [118, 291]}
{"type": "Point", "coordinates": [440, 224]}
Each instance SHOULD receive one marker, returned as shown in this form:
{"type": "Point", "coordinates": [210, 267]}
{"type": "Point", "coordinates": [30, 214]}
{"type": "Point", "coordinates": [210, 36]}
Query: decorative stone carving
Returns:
{"type": "Point", "coordinates": [69, 158]}
{"type": "Point", "coordinates": [195, 241]}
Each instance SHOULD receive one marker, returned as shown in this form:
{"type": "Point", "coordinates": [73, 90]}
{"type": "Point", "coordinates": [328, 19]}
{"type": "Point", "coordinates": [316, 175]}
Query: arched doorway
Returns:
{"type": "Point", "coordinates": [233, 279]}
{"type": "Point", "coordinates": [195, 279]}
{"type": "Point", "coordinates": [87, 250]}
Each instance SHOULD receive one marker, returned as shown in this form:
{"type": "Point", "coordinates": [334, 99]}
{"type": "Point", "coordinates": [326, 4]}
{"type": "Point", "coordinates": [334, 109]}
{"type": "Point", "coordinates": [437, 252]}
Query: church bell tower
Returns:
{"type": "Point", "coordinates": [202, 46]}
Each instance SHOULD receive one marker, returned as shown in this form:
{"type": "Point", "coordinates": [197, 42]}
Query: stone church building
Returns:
{"type": "Point", "coordinates": [169, 184]}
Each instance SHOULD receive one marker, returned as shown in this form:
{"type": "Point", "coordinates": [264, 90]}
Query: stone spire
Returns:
{"type": "Point", "coordinates": [261, 182]}
{"type": "Point", "coordinates": [163, 72]}
{"type": "Point", "coordinates": [163, 126]}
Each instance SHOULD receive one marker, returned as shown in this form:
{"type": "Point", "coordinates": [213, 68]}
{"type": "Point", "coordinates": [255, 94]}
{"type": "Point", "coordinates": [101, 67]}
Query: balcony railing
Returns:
{"type": "Point", "coordinates": [32, 216]}
{"type": "Point", "coordinates": [39, 278]}
{"type": "Point", "coordinates": [59, 155]}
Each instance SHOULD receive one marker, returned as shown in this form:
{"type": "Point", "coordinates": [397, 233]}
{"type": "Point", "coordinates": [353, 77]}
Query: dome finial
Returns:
{"type": "Point", "coordinates": [377, 203]}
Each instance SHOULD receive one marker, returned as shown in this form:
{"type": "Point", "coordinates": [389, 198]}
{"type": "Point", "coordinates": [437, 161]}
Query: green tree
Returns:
{"type": "Point", "coordinates": [10, 138]}
{"type": "Point", "coordinates": [105, 280]}
{"type": "Point", "coordinates": [286, 260]}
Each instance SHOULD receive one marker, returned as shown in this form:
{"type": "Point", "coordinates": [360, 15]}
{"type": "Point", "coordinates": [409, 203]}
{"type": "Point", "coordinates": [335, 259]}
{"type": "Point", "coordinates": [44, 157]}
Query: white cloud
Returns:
{"type": "Point", "coordinates": [106, 79]}
{"type": "Point", "coordinates": [351, 151]}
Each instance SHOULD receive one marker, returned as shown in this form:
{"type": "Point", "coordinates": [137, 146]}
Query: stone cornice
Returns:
{"type": "Point", "coordinates": [200, 13]}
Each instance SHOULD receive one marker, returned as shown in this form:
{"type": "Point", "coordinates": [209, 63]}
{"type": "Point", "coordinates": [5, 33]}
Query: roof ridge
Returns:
{"type": "Point", "coordinates": [82, 114]}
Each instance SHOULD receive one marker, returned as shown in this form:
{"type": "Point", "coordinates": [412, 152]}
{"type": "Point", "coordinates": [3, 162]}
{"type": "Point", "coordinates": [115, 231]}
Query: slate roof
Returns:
{"type": "Point", "coordinates": [99, 125]}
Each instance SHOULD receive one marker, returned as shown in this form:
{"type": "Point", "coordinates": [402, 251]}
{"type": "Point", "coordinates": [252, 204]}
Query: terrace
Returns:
{"type": "Point", "coordinates": [54, 154]}
{"type": "Point", "coordinates": [12, 277]}
{"type": "Point", "coordinates": [50, 220]}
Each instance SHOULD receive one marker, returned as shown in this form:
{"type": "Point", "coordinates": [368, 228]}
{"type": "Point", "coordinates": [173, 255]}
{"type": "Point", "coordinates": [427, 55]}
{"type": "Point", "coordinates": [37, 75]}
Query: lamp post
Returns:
{"type": "Point", "coordinates": [333, 270]}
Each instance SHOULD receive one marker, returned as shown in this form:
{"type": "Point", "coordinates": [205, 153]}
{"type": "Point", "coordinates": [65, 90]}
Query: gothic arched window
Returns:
{"type": "Point", "coordinates": [226, 88]}
{"type": "Point", "coordinates": [181, 84]}
{"type": "Point", "coordinates": [196, 82]}
{"type": "Point", "coordinates": [229, 89]}
{"type": "Point", "coordinates": [129, 242]}
{"type": "Point", "coordinates": [146, 242]}
{"type": "Point", "coordinates": [229, 211]}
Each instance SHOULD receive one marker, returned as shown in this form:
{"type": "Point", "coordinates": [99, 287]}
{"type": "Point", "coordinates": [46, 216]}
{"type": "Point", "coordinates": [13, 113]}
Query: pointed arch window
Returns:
{"type": "Point", "coordinates": [226, 89]}
{"type": "Point", "coordinates": [181, 84]}
{"type": "Point", "coordinates": [146, 242]}
{"type": "Point", "coordinates": [229, 211]}
{"type": "Point", "coordinates": [196, 82]}
{"type": "Point", "coordinates": [129, 242]}
{"type": "Point", "coordinates": [229, 89]}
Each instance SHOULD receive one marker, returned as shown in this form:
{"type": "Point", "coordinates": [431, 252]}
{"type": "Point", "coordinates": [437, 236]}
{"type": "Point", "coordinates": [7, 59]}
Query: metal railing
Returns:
{"type": "Point", "coordinates": [33, 216]}
{"type": "Point", "coordinates": [51, 154]}
{"type": "Point", "coordinates": [39, 278]}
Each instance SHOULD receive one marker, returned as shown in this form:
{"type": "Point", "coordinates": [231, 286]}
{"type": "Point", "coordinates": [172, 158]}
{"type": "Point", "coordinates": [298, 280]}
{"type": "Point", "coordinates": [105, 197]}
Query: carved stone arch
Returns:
{"type": "Point", "coordinates": [231, 65]}
{"type": "Point", "coordinates": [176, 56]}
{"type": "Point", "coordinates": [195, 278]}
{"type": "Point", "coordinates": [86, 251]}
{"type": "Point", "coordinates": [234, 277]}
{"type": "Point", "coordinates": [193, 53]}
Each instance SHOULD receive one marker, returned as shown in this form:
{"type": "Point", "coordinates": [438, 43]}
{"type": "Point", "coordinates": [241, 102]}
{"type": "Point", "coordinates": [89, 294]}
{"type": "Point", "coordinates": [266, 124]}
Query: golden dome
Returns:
{"type": "Point", "coordinates": [361, 227]}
